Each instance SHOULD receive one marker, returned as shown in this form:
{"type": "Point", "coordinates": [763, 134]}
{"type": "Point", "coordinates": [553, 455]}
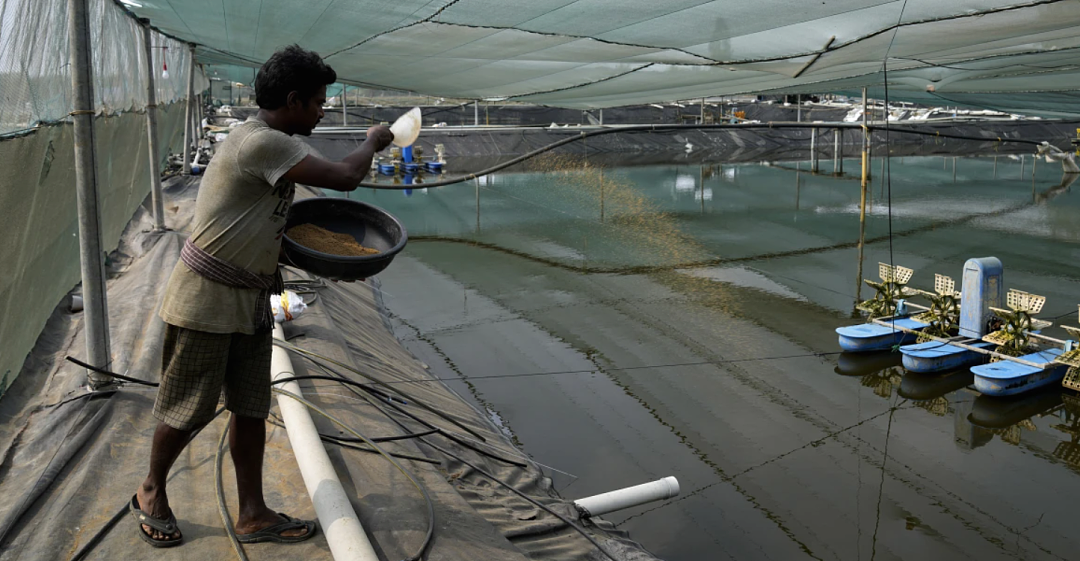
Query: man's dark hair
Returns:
{"type": "Point", "coordinates": [291, 69]}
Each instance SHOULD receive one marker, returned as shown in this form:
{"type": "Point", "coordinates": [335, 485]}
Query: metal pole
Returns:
{"type": "Point", "coordinates": [344, 105]}
{"type": "Point", "coordinates": [1021, 167]}
{"type": "Point", "coordinates": [701, 119]}
{"type": "Point", "coordinates": [798, 108]}
{"type": "Point", "coordinates": [196, 119]}
{"type": "Point", "coordinates": [477, 180]}
{"type": "Point", "coordinates": [96, 312]}
{"type": "Point", "coordinates": [954, 169]}
{"type": "Point", "coordinates": [601, 117]}
{"type": "Point", "coordinates": [189, 110]}
{"type": "Point", "coordinates": [813, 151]}
{"type": "Point", "coordinates": [151, 132]}
{"type": "Point", "coordinates": [838, 152]}
{"type": "Point", "coordinates": [476, 113]}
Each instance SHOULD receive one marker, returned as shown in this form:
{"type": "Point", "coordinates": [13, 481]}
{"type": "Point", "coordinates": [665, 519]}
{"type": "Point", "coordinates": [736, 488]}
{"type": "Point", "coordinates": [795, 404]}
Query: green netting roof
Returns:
{"type": "Point", "coordinates": [596, 53]}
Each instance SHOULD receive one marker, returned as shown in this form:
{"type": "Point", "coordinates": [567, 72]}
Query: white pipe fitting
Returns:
{"type": "Point", "coordinates": [659, 490]}
{"type": "Point", "coordinates": [344, 533]}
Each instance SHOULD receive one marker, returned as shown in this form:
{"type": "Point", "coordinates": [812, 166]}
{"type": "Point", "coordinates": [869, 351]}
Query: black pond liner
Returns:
{"type": "Point", "coordinates": [371, 226]}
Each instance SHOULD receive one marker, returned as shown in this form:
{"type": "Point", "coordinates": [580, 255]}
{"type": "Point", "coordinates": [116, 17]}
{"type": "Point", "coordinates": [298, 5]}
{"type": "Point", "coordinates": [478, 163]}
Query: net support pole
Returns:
{"type": "Point", "coordinates": [865, 145]}
{"type": "Point", "coordinates": [838, 152]}
{"type": "Point", "coordinates": [344, 105]}
{"type": "Point", "coordinates": [96, 315]}
{"type": "Point", "coordinates": [156, 198]}
{"type": "Point", "coordinates": [798, 108]}
{"type": "Point", "coordinates": [476, 113]}
{"type": "Point", "coordinates": [813, 151]}
{"type": "Point", "coordinates": [189, 111]}
{"type": "Point", "coordinates": [701, 119]}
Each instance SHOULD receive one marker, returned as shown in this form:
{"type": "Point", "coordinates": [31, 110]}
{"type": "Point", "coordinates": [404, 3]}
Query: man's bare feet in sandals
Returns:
{"type": "Point", "coordinates": [270, 526]}
{"type": "Point", "coordinates": [150, 507]}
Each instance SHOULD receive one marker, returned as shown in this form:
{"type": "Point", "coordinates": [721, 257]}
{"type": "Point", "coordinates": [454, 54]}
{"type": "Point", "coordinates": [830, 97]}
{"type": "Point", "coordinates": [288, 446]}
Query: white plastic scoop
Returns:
{"type": "Point", "coordinates": [406, 128]}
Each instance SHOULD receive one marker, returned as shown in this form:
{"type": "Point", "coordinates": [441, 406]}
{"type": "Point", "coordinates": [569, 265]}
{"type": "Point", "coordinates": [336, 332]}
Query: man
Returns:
{"type": "Point", "coordinates": [216, 306]}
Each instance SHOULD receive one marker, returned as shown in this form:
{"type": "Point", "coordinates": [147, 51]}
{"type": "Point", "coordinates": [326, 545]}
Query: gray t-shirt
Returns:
{"type": "Point", "coordinates": [240, 218]}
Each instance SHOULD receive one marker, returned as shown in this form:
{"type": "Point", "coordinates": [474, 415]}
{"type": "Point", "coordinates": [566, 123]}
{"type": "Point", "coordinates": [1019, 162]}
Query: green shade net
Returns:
{"type": "Point", "coordinates": [601, 53]}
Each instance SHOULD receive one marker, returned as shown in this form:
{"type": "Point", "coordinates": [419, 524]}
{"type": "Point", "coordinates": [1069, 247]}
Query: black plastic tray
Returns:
{"type": "Point", "coordinates": [371, 226]}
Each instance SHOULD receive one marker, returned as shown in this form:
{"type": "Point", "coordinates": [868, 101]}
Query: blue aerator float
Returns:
{"type": "Point", "coordinates": [408, 161]}
{"type": "Point", "coordinates": [966, 329]}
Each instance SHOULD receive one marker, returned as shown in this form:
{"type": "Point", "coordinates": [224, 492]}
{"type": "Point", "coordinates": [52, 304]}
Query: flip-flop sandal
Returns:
{"type": "Point", "coordinates": [273, 533]}
{"type": "Point", "coordinates": [165, 526]}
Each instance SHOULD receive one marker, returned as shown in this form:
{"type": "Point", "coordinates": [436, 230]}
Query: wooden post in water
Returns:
{"type": "Point", "coordinates": [862, 199]}
{"type": "Point", "coordinates": [701, 181]}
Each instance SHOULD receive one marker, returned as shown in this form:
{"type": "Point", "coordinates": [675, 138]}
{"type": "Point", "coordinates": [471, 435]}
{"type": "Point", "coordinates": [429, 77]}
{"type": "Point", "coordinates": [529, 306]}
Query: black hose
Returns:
{"type": "Point", "coordinates": [666, 128]}
{"type": "Point", "coordinates": [320, 359]}
{"type": "Point", "coordinates": [343, 380]}
{"type": "Point", "coordinates": [378, 405]}
{"type": "Point", "coordinates": [451, 436]}
{"type": "Point", "coordinates": [113, 374]}
{"type": "Point", "coordinates": [219, 489]}
{"type": "Point", "coordinates": [457, 440]}
{"type": "Point", "coordinates": [347, 442]}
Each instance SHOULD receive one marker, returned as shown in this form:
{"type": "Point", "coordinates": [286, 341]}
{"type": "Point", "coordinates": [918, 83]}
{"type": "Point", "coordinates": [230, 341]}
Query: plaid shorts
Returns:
{"type": "Point", "coordinates": [198, 367]}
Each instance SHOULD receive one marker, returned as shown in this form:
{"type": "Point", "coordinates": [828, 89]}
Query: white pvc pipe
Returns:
{"type": "Point", "coordinates": [659, 490]}
{"type": "Point", "coordinates": [339, 522]}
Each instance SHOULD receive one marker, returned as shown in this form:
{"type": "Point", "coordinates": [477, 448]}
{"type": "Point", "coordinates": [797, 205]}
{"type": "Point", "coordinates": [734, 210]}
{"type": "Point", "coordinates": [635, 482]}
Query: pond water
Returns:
{"type": "Point", "coordinates": [629, 323]}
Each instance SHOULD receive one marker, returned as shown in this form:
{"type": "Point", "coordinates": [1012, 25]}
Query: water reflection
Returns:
{"type": "Point", "coordinates": [924, 387]}
{"type": "Point", "coordinates": [862, 364]}
{"type": "Point", "coordinates": [978, 419]}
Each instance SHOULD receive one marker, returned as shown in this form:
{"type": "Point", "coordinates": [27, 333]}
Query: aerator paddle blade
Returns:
{"type": "Point", "coordinates": [891, 273]}
{"type": "Point", "coordinates": [1025, 301]}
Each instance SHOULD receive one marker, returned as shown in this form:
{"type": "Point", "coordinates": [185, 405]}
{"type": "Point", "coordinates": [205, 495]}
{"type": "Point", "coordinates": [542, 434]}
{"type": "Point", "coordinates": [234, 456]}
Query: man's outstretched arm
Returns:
{"type": "Point", "coordinates": [347, 174]}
